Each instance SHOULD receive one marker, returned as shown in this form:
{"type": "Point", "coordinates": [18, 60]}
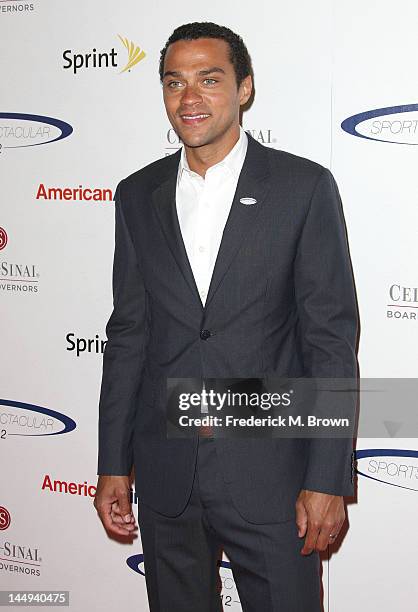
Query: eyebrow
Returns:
{"type": "Point", "coordinates": [175, 73]}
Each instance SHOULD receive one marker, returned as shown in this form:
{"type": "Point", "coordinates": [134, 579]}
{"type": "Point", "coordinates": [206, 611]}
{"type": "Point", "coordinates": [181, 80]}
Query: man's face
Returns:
{"type": "Point", "coordinates": [201, 96]}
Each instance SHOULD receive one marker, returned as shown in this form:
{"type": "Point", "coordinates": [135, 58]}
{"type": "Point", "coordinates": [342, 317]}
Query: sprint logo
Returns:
{"type": "Point", "coordinates": [95, 59]}
{"type": "Point", "coordinates": [135, 55]}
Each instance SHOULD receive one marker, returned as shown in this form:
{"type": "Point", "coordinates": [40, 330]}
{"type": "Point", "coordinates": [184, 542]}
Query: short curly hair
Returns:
{"type": "Point", "coordinates": [238, 53]}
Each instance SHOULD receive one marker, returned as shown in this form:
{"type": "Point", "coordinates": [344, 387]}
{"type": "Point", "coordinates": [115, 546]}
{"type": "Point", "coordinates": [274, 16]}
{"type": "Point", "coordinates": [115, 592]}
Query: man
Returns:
{"type": "Point", "coordinates": [231, 260]}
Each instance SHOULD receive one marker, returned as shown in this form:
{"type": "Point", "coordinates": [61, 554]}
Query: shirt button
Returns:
{"type": "Point", "coordinates": [205, 334]}
{"type": "Point", "coordinates": [202, 293]}
{"type": "Point", "coordinates": [201, 249]}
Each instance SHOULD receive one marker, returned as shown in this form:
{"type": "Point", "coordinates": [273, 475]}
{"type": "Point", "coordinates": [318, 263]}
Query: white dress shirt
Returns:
{"type": "Point", "coordinates": [203, 206]}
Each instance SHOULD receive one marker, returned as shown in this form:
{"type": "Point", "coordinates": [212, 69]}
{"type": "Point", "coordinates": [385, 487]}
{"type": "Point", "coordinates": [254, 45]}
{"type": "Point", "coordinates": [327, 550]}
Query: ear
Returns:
{"type": "Point", "coordinates": [245, 89]}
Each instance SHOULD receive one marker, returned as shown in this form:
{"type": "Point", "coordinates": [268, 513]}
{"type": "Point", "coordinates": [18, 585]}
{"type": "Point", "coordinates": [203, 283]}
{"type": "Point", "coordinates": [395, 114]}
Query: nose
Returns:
{"type": "Point", "coordinates": [191, 96]}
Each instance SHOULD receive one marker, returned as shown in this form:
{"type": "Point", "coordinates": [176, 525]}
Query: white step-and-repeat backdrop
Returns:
{"type": "Point", "coordinates": [335, 82]}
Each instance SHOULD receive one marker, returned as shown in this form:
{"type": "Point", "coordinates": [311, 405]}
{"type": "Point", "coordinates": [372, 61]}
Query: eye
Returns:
{"type": "Point", "coordinates": [173, 84]}
{"type": "Point", "coordinates": [212, 81]}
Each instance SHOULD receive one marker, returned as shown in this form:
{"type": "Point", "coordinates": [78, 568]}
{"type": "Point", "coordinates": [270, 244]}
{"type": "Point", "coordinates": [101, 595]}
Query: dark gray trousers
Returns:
{"type": "Point", "coordinates": [181, 553]}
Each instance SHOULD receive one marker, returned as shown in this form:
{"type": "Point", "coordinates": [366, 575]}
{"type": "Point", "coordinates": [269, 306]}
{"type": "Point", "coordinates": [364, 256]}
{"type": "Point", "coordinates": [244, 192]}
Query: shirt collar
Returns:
{"type": "Point", "coordinates": [232, 161]}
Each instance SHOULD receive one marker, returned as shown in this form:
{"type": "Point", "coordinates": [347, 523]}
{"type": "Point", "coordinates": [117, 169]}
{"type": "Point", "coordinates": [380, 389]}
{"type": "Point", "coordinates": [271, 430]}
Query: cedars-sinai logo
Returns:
{"type": "Point", "coordinates": [5, 518]}
{"type": "Point", "coordinates": [392, 124]}
{"type": "Point", "coordinates": [13, 7]}
{"type": "Point", "coordinates": [3, 238]}
{"type": "Point", "coordinates": [19, 130]}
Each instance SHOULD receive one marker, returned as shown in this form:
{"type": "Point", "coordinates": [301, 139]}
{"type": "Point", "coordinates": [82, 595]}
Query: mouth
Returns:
{"type": "Point", "coordinates": [194, 118]}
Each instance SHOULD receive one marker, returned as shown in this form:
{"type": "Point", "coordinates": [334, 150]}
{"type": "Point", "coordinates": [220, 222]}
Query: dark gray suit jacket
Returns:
{"type": "Point", "coordinates": [281, 302]}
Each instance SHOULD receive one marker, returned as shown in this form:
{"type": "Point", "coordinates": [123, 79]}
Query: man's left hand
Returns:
{"type": "Point", "coordinates": [320, 517]}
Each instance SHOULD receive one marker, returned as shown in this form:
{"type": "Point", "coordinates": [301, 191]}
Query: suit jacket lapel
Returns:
{"type": "Point", "coordinates": [164, 197]}
{"type": "Point", "coordinates": [253, 182]}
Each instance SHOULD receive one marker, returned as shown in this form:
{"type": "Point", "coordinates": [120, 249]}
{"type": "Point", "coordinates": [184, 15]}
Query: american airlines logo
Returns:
{"type": "Point", "coordinates": [75, 194]}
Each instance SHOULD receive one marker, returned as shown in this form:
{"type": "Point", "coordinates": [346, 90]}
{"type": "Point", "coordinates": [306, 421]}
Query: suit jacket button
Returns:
{"type": "Point", "coordinates": [205, 334]}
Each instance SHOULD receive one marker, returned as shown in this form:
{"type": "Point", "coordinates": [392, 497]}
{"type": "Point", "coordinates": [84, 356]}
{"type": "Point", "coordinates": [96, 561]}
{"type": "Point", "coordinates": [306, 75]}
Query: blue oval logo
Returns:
{"type": "Point", "coordinates": [136, 562]}
{"type": "Point", "coordinates": [398, 126]}
{"type": "Point", "coordinates": [395, 467]}
{"type": "Point", "coordinates": [25, 419]}
{"type": "Point", "coordinates": [19, 130]}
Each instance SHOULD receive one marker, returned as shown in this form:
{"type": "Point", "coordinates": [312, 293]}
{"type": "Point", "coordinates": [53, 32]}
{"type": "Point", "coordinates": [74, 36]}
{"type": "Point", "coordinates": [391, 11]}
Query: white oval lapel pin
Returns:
{"type": "Point", "coordinates": [248, 201]}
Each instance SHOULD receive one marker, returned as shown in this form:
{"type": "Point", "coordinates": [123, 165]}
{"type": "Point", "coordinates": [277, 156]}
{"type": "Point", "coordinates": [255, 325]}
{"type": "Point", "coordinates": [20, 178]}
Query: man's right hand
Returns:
{"type": "Point", "coordinates": [113, 504]}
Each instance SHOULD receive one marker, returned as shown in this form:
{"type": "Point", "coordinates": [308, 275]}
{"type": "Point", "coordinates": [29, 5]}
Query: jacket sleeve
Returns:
{"type": "Point", "coordinates": [124, 354]}
{"type": "Point", "coordinates": [327, 311]}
